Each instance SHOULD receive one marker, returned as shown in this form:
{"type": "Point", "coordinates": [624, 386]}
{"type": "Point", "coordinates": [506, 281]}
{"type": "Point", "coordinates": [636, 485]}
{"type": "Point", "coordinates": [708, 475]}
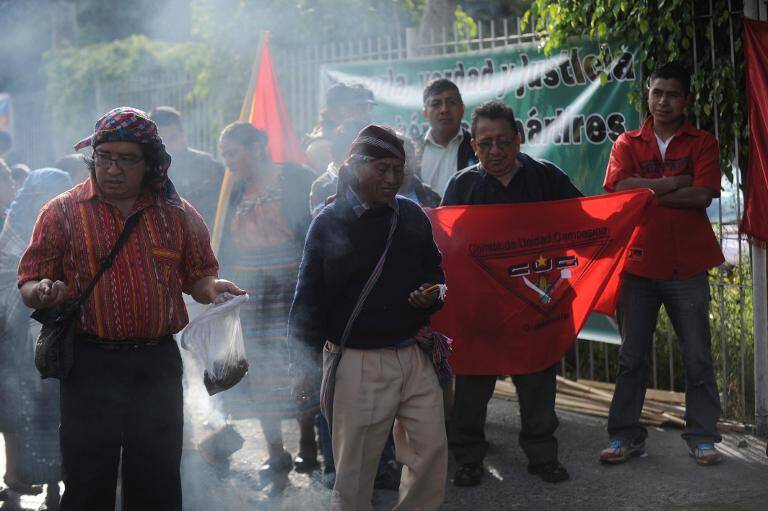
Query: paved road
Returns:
{"type": "Point", "coordinates": [666, 479]}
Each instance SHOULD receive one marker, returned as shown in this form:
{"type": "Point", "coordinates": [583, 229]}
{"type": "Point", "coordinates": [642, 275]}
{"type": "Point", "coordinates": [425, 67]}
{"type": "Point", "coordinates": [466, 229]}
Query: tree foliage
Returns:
{"type": "Point", "coordinates": [73, 73]}
{"type": "Point", "coordinates": [222, 46]}
{"type": "Point", "coordinates": [231, 29]}
{"type": "Point", "coordinates": [665, 31]}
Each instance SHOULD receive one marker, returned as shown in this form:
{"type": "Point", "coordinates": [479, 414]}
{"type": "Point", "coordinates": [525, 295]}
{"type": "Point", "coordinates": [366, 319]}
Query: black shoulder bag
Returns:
{"type": "Point", "coordinates": [54, 347]}
{"type": "Point", "coordinates": [331, 359]}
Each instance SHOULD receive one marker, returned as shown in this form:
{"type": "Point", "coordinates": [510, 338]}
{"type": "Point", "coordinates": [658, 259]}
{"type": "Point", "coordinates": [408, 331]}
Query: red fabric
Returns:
{"type": "Point", "coordinates": [755, 221]}
{"type": "Point", "coordinates": [672, 243]}
{"type": "Point", "coordinates": [140, 296]}
{"type": "Point", "coordinates": [268, 113]}
{"type": "Point", "coordinates": [567, 249]}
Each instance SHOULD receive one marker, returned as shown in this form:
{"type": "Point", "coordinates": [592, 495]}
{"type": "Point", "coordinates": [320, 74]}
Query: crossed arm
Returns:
{"type": "Point", "coordinates": [673, 191]}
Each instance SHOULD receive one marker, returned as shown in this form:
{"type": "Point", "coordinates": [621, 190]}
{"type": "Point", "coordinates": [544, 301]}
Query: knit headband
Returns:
{"type": "Point", "coordinates": [375, 142]}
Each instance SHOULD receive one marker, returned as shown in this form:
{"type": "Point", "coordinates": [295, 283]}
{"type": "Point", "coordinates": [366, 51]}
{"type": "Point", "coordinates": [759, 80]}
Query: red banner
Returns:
{"type": "Point", "coordinates": [268, 112]}
{"type": "Point", "coordinates": [755, 221]}
{"type": "Point", "coordinates": [522, 278]}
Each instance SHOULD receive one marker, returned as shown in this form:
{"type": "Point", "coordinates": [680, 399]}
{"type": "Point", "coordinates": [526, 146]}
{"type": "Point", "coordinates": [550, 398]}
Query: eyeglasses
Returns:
{"type": "Point", "coordinates": [501, 143]}
{"type": "Point", "coordinates": [103, 160]}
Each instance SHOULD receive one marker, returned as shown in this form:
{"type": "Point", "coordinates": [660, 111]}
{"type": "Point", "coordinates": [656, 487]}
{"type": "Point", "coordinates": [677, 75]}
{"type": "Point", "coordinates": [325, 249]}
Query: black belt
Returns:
{"type": "Point", "coordinates": [403, 344]}
{"type": "Point", "coordinates": [132, 343]}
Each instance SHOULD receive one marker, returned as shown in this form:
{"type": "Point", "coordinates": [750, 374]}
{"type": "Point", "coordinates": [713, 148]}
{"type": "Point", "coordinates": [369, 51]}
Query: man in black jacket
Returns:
{"type": "Point", "coordinates": [196, 174]}
{"type": "Point", "coordinates": [504, 176]}
{"type": "Point", "coordinates": [446, 143]}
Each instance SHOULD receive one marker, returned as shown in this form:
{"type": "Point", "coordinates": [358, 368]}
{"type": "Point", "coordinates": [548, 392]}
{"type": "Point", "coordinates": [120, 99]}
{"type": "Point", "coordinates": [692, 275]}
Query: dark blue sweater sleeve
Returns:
{"type": "Point", "coordinates": [432, 260]}
{"type": "Point", "coordinates": [305, 323]}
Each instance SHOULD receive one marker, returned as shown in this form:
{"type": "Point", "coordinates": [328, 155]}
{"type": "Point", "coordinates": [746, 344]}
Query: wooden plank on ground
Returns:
{"type": "Point", "coordinates": [594, 398]}
{"type": "Point", "coordinates": [665, 396]}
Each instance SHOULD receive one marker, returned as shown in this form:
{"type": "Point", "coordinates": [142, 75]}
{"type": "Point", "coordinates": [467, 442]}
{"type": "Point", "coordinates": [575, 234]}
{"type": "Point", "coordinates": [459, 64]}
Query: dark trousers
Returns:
{"type": "Point", "coordinates": [687, 304]}
{"type": "Point", "coordinates": [536, 396]}
{"type": "Point", "coordinates": [129, 399]}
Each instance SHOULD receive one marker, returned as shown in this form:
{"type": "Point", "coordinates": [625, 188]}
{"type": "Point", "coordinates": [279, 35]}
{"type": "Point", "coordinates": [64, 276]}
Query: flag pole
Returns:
{"type": "Point", "coordinates": [229, 179]}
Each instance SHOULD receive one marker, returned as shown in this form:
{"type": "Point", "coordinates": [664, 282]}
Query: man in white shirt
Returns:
{"type": "Point", "coordinates": [446, 143]}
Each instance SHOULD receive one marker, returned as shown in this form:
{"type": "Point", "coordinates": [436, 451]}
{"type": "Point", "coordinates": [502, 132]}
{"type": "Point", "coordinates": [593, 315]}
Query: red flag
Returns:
{"type": "Point", "coordinates": [522, 278]}
{"type": "Point", "coordinates": [755, 221]}
{"type": "Point", "coordinates": [267, 112]}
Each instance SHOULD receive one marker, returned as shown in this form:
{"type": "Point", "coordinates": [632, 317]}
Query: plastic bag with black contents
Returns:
{"type": "Point", "coordinates": [216, 339]}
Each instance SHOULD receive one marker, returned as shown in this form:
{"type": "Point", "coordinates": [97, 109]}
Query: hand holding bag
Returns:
{"type": "Point", "coordinates": [54, 347]}
{"type": "Point", "coordinates": [331, 358]}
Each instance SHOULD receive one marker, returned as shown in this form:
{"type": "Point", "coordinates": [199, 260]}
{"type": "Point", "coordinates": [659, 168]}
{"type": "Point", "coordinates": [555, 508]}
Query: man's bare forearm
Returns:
{"type": "Point", "coordinates": [202, 290]}
{"type": "Point", "coordinates": [690, 197]}
{"type": "Point", "coordinates": [207, 289]}
{"type": "Point", "coordinates": [29, 296]}
{"type": "Point", "coordinates": [660, 186]}
{"type": "Point", "coordinates": [39, 294]}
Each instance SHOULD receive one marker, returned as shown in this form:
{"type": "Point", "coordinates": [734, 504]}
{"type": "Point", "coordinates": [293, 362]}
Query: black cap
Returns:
{"type": "Point", "coordinates": [340, 94]}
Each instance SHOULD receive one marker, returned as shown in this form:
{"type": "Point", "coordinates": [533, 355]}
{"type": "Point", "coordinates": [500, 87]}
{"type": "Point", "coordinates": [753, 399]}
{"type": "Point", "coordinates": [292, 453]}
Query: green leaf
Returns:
{"type": "Point", "coordinates": [643, 25]}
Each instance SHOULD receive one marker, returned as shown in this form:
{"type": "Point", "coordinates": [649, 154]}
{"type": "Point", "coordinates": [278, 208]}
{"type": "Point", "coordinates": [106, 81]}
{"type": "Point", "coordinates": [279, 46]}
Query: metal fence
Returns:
{"type": "Point", "coordinates": [739, 282]}
{"type": "Point", "coordinates": [201, 119]}
{"type": "Point", "coordinates": [299, 68]}
{"type": "Point", "coordinates": [32, 130]}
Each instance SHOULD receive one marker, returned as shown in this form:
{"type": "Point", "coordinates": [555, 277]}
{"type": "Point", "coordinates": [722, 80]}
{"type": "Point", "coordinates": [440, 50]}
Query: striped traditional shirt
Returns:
{"type": "Point", "coordinates": [140, 296]}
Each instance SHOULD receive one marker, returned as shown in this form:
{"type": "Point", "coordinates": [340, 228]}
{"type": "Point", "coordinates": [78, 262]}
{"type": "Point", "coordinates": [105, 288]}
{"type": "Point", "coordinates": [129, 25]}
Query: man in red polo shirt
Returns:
{"type": "Point", "coordinates": [123, 392]}
{"type": "Point", "coordinates": [668, 265]}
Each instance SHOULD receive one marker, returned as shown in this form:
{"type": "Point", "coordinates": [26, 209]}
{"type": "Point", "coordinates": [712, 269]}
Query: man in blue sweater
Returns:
{"type": "Point", "coordinates": [386, 372]}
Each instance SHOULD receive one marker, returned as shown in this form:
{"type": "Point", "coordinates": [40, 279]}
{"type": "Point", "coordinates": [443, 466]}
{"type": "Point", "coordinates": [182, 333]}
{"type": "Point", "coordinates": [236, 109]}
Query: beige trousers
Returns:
{"type": "Point", "coordinates": [375, 388]}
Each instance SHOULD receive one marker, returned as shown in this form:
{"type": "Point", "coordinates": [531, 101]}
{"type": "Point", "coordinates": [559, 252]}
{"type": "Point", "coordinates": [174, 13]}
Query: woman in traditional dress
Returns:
{"type": "Point", "coordinates": [262, 242]}
{"type": "Point", "coordinates": [30, 412]}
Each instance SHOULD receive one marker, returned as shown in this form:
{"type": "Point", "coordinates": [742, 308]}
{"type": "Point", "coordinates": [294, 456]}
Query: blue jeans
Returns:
{"type": "Point", "coordinates": [687, 305]}
{"type": "Point", "coordinates": [387, 455]}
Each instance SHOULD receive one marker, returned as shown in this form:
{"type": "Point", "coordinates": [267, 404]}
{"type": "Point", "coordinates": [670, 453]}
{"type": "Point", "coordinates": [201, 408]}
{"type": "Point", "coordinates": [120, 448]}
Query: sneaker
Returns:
{"type": "Point", "coordinates": [619, 451]}
{"type": "Point", "coordinates": [550, 472]}
{"type": "Point", "coordinates": [388, 477]}
{"type": "Point", "coordinates": [469, 474]}
{"type": "Point", "coordinates": [705, 454]}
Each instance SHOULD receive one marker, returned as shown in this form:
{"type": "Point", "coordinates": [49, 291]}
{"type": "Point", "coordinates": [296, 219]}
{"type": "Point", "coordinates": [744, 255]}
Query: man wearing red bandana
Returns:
{"type": "Point", "coordinates": [124, 389]}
